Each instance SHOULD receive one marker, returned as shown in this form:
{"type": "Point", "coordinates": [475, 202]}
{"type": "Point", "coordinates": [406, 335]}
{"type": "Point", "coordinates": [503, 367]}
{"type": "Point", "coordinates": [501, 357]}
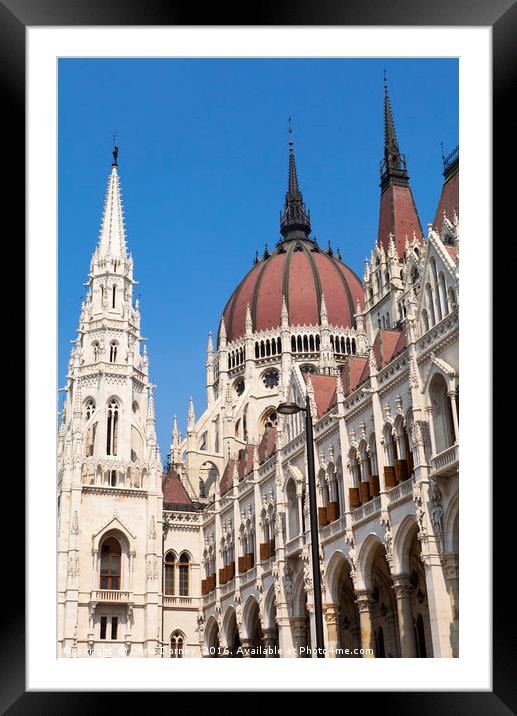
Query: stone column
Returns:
{"type": "Point", "coordinates": [331, 612]}
{"type": "Point", "coordinates": [365, 605]}
{"type": "Point", "coordinates": [402, 589]}
{"type": "Point", "coordinates": [454, 411]}
{"type": "Point", "coordinates": [299, 636]}
{"type": "Point", "coordinates": [451, 568]}
{"type": "Point", "coordinates": [270, 641]}
{"type": "Point", "coordinates": [246, 646]}
{"type": "Point", "coordinates": [430, 420]}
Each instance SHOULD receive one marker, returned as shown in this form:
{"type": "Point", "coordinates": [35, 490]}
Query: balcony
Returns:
{"type": "Point", "coordinates": [294, 546]}
{"type": "Point", "coordinates": [403, 490]}
{"type": "Point", "coordinates": [334, 529]}
{"type": "Point", "coordinates": [175, 601]}
{"type": "Point", "coordinates": [367, 510]}
{"type": "Point", "coordinates": [248, 576]}
{"type": "Point", "coordinates": [228, 588]}
{"type": "Point", "coordinates": [445, 463]}
{"type": "Point", "coordinates": [112, 596]}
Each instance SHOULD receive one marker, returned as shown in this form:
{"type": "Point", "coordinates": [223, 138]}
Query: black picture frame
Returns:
{"type": "Point", "coordinates": [501, 15]}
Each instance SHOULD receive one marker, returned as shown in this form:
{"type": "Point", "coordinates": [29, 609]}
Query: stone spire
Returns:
{"type": "Point", "coordinates": [191, 420]}
{"type": "Point", "coordinates": [284, 314]}
{"type": "Point", "coordinates": [210, 349]}
{"type": "Point", "coordinates": [295, 223]}
{"type": "Point", "coordinates": [249, 322]}
{"type": "Point", "coordinates": [222, 334]}
{"type": "Point", "coordinates": [112, 237]}
{"type": "Point", "coordinates": [324, 316]}
{"type": "Point", "coordinates": [151, 417]}
{"type": "Point", "coordinates": [397, 213]}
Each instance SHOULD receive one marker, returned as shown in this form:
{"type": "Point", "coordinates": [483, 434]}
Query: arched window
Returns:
{"type": "Point", "coordinates": [183, 573]}
{"type": "Point", "coordinates": [270, 419]}
{"type": "Point", "coordinates": [113, 352]}
{"type": "Point", "coordinates": [110, 564]}
{"type": "Point", "coordinates": [114, 296]}
{"type": "Point", "coordinates": [95, 346]}
{"type": "Point", "coordinates": [425, 321]}
{"type": "Point", "coordinates": [90, 434]}
{"type": "Point", "coordinates": [169, 565]}
{"type": "Point", "coordinates": [452, 298]}
{"type": "Point", "coordinates": [292, 510]}
{"type": "Point", "coordinates": [442, 414]}
{"type": "Point", "coordinates": [391, 446]}
{"type": "Point", "coordinates": [430, 303]}
{"type": "Point", "coordinates": [112, 428]}
{"type": "Point", "coordinates": [177, 642]}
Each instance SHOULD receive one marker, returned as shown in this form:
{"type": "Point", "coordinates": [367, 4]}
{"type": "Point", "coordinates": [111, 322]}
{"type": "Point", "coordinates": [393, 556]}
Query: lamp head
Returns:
{"type": "Point", "coordinates": [289, 408]}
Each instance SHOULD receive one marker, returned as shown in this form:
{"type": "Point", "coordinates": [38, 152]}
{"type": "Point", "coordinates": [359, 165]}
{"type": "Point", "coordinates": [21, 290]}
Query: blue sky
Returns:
{"type": "Point", "coordinates": [203, 166]}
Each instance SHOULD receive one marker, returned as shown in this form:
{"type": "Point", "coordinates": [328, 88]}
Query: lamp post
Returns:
{"type": "Point", "coordinates": [291, 409]}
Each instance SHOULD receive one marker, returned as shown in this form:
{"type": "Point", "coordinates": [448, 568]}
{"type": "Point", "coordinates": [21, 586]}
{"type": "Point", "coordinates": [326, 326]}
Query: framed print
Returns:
{"type": "Point", "coordinates": [244, 430]}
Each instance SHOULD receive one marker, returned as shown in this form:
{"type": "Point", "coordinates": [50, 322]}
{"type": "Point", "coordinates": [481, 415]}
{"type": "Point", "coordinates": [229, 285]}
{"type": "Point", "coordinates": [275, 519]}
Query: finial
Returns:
{"type": "Point", "coordinates": [290, 135]}
{"type": "Point", "coordinates": [329, 250]}
{"type": "Point", "coordinates": [385, 83]}
{"type": "Point", "coordinates": [115, 151]}
{"type": "Point", "coordinates": [266, 252]}
{"type": "Point", "coordinates": [256, 259]}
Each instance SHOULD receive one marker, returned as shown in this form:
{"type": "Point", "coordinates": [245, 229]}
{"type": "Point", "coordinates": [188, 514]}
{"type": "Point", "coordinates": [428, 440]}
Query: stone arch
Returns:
{"type": "Point", "coordinates": [300, 618]}
{"type": "Point", "coordinates": [270, 630]}
{"type": "Point", "coordinates": [402, 542]}
{"type": "Point", "coordinates": [231, 633]}
{"type": "Point", "coordinates": [383, 608]}
{"type": "Point", "coordinates": [253, 626]}
{"type": "Point", "coordinates": [208, 474]}
{"type": "Point", "coordinates": [334, 566]}
{"type": "Point", "coordinates": [212, 637]}
{"type": "Point", "coordinates": [367, 553]}
{"type": "Point", "coordinates": [451, 523]}
{"type": "Point", "coordinates": [343, 623]}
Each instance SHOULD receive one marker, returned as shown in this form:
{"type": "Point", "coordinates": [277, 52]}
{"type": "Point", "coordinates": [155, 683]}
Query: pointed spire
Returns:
{"type": "Point", "coordinates": [175, 434]}
{"type": "Point", "coordinates": [249, 322]}
{"type": "Point", "coordinates": [210, 349]}
{"type": "Point", "coordinates": [222, 334]}
{"type": "Point", "coordinates": [390, 135]}
{"type": "Point", "coordinates": [324, 317]}
{"type": "Point", "coordinates": [340, 391]}
{"type": "Point", "coordinates": [394, 163]}
{"type": "Point", "coordinates": [284, 316]}
{"type": "Point", "coordinates": [112, 237]}
{"type": "Point", "coordinates": [191, 420]}
{"type": "Point", "coordinates": [392, 249]}
{"type": "Point", "coordinates": [150, 406]}
{"type": "Point", "coordinates": [366, 277]}
{"type": "Point", "coordinates": [295, 220]}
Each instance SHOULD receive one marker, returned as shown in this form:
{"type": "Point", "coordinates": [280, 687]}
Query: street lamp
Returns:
{"type": "Point", "coordinates": [291, 409]}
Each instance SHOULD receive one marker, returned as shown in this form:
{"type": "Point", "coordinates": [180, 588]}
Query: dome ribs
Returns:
{"type": "Point", "coordinates": [317, 282]}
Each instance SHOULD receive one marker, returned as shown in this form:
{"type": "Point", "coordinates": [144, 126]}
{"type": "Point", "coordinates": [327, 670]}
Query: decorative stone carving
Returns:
{"type": "Point", "coordinates": [152, 528]}
{"type": "Point", "coordinates": [288, 585]}
{"type": "Point", "coordinates": [74, 527]}
{"type": "Point", "coordinates": [385, 522]}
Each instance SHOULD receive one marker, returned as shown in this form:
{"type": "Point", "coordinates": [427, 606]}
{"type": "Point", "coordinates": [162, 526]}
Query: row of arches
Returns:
{"type": "Point", "coordinates": [389, 614]}
{"type": "Point", "coordinates": [342, 345]}
{"type": "Point", "coordinates": [269, 347]}
{"type": "Point", "coordinates": [113, 351]}
{"type": "Point", "coordinates": [440, 298]}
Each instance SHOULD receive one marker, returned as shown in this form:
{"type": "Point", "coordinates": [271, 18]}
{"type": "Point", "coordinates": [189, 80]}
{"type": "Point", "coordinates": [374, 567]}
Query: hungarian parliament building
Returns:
{"type": "Point", "coordinates": [208, 552]}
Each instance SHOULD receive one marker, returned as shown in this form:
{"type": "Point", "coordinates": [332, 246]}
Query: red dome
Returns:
{"type": "Point", "coordinates": [302, 272]}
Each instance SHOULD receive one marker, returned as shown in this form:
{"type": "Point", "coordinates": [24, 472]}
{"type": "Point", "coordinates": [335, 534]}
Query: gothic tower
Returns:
{"type": "Point", "coordinates": [109, 466]}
